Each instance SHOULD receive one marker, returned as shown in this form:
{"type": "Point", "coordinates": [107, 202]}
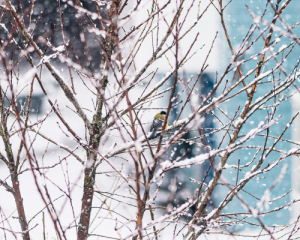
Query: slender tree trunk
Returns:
{"type": "Point", "coordinates": [86, 206]}
{"type": "Point", "coordinates": [13, 171]}
{"type": "Point", "coordinates": [20, 207]}
{"type": "Point", "coordinates": [96, 129]}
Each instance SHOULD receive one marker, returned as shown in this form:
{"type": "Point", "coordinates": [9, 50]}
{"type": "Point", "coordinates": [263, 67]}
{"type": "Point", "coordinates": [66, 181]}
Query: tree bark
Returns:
{"type": "Point", "coordinates": [20, 208]}
{"type": "Point", "coordinates": [97, 127]}
{"type": "Point", "coordinates": [13, 171]}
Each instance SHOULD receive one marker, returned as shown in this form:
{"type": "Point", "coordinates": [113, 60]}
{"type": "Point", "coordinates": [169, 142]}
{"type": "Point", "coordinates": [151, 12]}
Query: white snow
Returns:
{"type": "Point", "coordinates": [47, 58]}
{"type": "Point", "coordinates": [98, 32]}
{"type": "Point", "coordinates": [211, 214]}
{"type": "Point", "coordinates": [138, 146]}
{"type": "Point", "coordinates": [282, 47]}
{"type": "Point", "coordinates": [59, 48]}
{"type": "Point", "coordinates": [277, 40]}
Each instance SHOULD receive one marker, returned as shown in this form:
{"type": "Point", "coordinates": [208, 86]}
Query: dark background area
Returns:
{"type": "Point", "coordinates": [45, 20]}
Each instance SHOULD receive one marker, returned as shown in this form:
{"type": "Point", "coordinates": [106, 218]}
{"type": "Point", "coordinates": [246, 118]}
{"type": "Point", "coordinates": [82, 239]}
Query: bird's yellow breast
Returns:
{"type": "Point", "coordinates": [162, 117]}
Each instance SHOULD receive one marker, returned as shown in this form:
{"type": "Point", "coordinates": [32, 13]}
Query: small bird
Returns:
{"type": "Point", "coordinates": [157, 124]}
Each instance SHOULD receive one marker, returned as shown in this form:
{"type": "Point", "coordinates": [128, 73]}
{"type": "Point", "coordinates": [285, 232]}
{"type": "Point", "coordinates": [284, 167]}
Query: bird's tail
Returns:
{"type": "Point", "coordinates": [153, 134]}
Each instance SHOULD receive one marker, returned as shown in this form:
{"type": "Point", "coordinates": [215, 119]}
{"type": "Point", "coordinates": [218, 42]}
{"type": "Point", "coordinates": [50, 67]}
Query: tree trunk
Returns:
{"type": "Point", "coordinates": [20, 207]}
{"type": "Point", "coordinates": [86, 207]}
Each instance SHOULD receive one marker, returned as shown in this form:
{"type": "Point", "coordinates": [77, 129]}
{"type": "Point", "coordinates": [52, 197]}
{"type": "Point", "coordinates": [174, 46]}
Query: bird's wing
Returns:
{"type": "Point", "coordinates": [156, 124]}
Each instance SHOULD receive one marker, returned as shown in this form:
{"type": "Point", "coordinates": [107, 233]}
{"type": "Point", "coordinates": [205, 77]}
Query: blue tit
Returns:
{"type": "Point", "coordinates": [157, 124]}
